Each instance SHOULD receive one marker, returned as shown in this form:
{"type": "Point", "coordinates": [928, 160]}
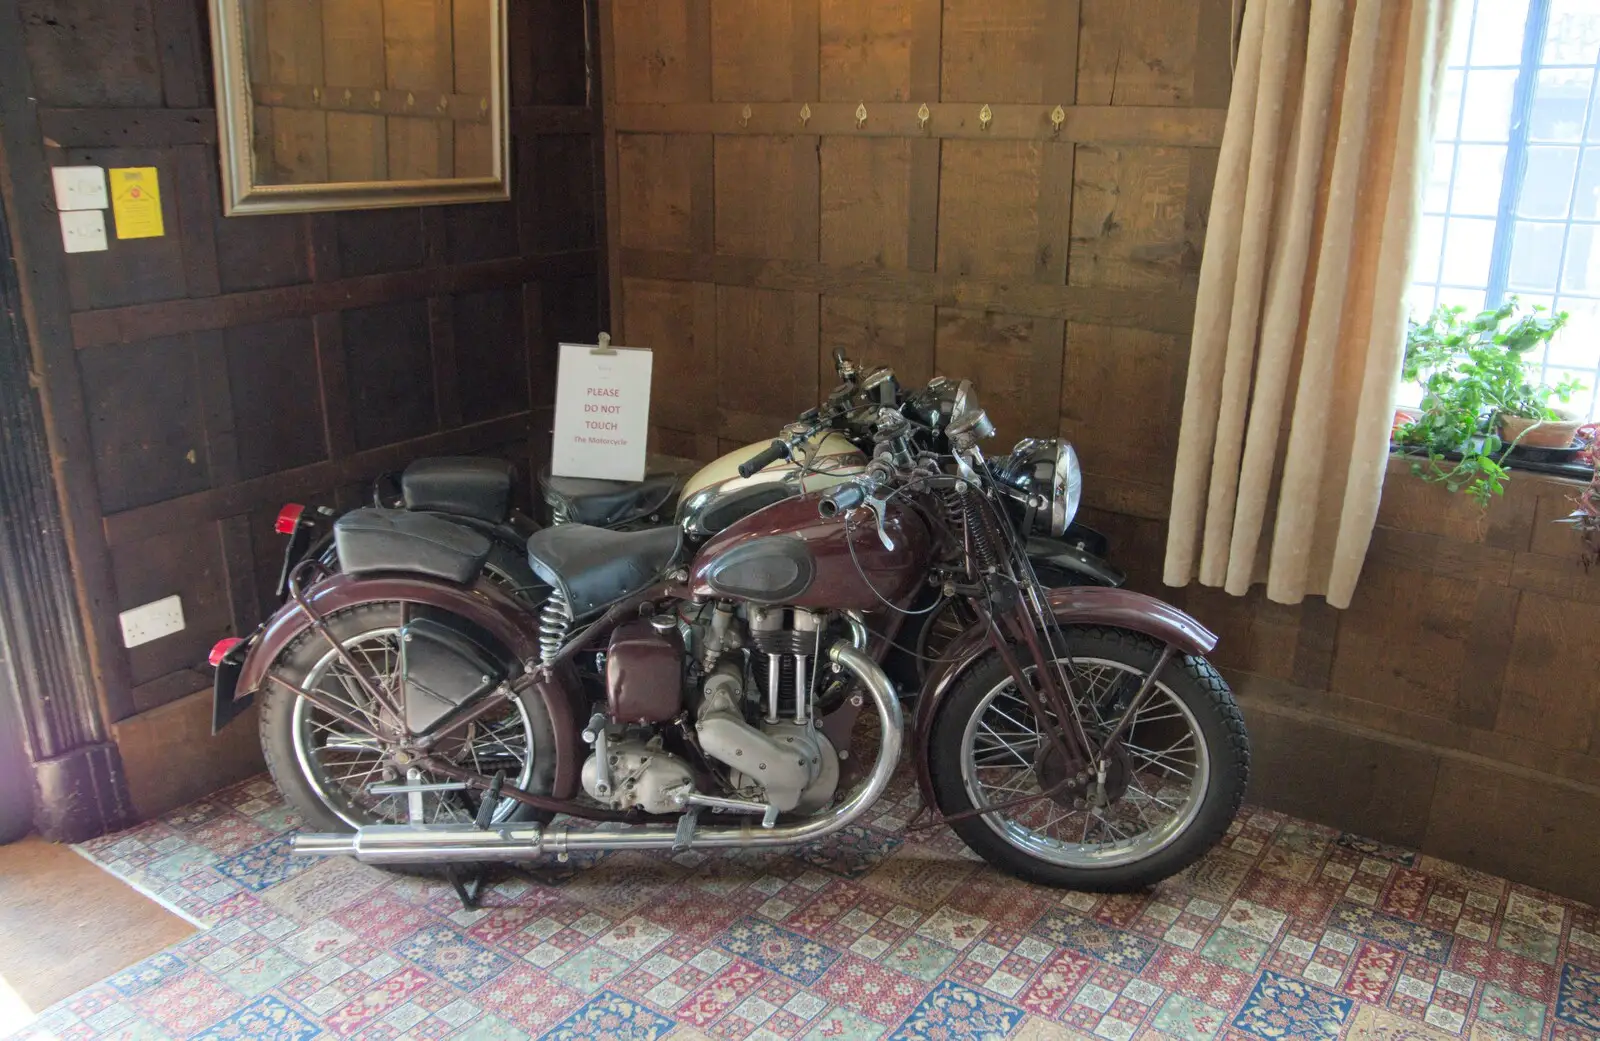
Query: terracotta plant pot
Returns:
{"type": "Point", "coordinates": [1402, 416]}
{"type": "Point", "coordinates": [1535, 433]}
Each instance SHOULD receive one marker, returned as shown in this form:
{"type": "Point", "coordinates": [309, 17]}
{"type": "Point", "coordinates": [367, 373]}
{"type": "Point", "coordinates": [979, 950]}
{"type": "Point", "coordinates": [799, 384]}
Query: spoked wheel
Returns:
{"type": "Point", "coordinates": [1170, 787]}
{"type": "Point", "coordinates": [945, 623]}
{"type": "Point", "coordinates": [325, 767]}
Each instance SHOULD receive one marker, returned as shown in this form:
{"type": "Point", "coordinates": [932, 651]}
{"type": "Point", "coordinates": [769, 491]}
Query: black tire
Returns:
{"type": "Point", "coordinates": [1191, 679]}
{"type": "Point", "coordinates": [296, 662]}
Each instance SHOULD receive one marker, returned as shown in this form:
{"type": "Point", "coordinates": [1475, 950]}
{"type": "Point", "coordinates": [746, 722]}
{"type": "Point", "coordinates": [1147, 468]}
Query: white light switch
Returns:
{"type": "Point", "coordinates": [152, 621]}
{"type": "Point", "coordinates": [83, 231]}
{"type": "Point", "coordinates": [80, 187]}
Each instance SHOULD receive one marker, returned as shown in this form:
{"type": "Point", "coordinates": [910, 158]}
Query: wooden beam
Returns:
{"type": "Point", "coordinates": [1158, 310]}
{"type": "Point", "coordinates": [146, 321]}
{"type": "Point", "coordinates": [42, 271]}
{"type": "Point", "coordinates": [215, 504]}
{"type": "Point", "coordinates": [127, 127]}
{"type": "Point", "coordinates": [1087, 124]}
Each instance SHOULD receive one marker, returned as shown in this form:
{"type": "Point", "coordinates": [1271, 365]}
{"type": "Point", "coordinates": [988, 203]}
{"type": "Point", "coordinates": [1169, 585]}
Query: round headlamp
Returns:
{"type": "Point", "coordinates": [1044, 473]}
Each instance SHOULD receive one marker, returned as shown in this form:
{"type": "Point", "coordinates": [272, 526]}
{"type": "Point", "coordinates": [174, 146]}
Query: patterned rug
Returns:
{"type": "Point", "coordinates": [1286, 931]}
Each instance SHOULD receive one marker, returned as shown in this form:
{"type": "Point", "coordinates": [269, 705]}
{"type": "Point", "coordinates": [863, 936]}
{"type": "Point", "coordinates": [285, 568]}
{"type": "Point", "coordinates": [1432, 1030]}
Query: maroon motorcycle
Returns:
{"type": "Point", "coordinates": [415, 714]}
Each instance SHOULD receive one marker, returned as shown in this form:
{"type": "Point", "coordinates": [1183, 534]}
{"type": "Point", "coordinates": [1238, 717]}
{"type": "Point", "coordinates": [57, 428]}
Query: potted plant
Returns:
{"type": "Point", "coordinates": [1478, 400]}
{"type": "Point", "coordinates": [1585, 517]}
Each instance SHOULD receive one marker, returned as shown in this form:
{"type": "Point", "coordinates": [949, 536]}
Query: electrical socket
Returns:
{"type": "Point", "coordinates": [152, 621]}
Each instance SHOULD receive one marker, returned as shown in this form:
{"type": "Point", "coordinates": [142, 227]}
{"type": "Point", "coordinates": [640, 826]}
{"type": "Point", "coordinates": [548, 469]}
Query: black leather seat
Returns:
{"type": "Point", "coordinates": [584, 500]}
{"type": "Point", "coordinates": [465, 486]}
{"type": "Point", "coordinates": [593, 567]}
{"type": "Point", "coordinates": [373, 539]}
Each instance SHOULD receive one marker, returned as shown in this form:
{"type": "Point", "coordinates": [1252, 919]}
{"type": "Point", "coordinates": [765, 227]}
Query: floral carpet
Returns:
{"type": "Point", "coordinates": [1286, 931]}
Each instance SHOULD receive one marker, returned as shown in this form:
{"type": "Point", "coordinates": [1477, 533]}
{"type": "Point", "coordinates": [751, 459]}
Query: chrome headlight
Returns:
{"type": "Point", "coordinates": [1067, 489]}
{"type": "Point", "coordinates": [1044, 473]}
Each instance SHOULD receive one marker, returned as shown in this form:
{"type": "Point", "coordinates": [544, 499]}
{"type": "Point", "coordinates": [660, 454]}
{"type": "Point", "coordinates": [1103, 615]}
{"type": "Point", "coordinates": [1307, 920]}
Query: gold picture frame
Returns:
{"type": "Point", "coordinates": [360, 104]}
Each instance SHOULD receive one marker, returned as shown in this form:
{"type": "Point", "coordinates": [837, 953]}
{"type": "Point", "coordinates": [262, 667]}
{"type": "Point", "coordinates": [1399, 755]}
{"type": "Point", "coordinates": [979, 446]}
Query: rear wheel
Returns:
{"type": "Point", "coordinates": [326, 768]}
{"type": "Point", "coordinates": [1172, 783]}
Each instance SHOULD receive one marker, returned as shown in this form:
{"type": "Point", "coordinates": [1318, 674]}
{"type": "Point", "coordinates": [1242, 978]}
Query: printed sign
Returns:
{"type": "Point", "coordinates": [136, 202]}
{"type": "Point", "coordinates": [602, 412]}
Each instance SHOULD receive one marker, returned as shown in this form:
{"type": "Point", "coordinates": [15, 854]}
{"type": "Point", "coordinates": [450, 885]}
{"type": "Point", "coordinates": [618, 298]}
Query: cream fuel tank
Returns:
{"type": "Point", "coordinates": [716, 495]}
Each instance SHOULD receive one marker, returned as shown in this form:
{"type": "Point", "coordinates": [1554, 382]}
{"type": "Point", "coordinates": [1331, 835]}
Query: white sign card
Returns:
{"type": "Point", "coordinates": [602, 412]}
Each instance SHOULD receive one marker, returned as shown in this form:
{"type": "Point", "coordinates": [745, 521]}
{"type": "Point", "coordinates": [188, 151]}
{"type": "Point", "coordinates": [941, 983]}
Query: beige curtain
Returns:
{"type": "Point", "coordinates": [1299, 323]}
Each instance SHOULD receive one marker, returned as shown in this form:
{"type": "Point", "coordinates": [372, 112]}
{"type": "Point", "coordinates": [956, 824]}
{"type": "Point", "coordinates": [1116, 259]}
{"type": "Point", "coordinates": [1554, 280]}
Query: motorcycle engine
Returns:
{"type": "Point", "coordinates": [755, 715]}
{"type": "Point", "coordinates": [778, 756]}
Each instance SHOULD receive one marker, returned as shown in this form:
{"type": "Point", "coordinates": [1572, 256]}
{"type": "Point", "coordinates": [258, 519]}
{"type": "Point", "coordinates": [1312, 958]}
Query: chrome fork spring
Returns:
{"type": "Point", "coordinates": [978, 531]}
{"type": "Point", "coordinates": [555, 618]}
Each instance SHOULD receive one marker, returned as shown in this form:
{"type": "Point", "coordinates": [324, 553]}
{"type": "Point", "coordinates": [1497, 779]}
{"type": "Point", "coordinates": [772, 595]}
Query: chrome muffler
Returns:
{"type": "Point", "coordinates": [466, 843]}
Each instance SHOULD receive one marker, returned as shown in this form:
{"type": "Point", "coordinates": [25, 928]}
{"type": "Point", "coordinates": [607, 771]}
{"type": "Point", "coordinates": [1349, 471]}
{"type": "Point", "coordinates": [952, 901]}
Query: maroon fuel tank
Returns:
{"type": "Point", "coordinates": [788, 553]}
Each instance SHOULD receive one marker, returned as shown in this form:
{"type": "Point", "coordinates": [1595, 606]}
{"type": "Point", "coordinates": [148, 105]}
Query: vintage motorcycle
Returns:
{"type": "Point", "coordinates": [416, 714]}
{"type": "Point", "coordinates": [476, 492]}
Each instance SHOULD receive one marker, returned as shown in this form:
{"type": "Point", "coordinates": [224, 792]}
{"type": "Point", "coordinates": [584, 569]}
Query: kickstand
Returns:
{"type": "Point", "coordinates": [468, 889]}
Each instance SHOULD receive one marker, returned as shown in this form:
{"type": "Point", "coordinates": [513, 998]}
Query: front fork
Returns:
{"type": "Point", "coordinates": [1048, 690]}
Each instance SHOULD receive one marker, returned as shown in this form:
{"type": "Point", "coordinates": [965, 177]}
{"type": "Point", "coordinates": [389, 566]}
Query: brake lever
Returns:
{"type": "Point", "coordinates": [878, 503]}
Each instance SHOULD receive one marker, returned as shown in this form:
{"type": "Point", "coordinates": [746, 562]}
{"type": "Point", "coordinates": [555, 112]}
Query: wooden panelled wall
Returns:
{"type": "Point", "coordinates": [775, 195]}
{"type": "Point", "coordinates": [195, 382]}
{"type": "Point", "coordinates": [1452, 707]}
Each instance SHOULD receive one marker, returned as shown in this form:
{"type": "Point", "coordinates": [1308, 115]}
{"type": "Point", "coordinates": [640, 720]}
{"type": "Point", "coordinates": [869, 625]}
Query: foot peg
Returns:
{"type": "Point", "coordinates": [769, 812]}
{"type": "Point", "coordinates": [693, 802]}
{"type": "Point", "coordinates": [491, 799]}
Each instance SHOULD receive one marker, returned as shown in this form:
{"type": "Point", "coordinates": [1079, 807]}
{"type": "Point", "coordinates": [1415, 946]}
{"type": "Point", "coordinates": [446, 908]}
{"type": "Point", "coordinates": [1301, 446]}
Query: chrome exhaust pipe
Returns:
{"type": "Point", "coordinates": [465, 843]}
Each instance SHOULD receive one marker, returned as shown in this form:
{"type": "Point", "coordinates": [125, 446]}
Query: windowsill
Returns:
{"type": "Point", "coordinates": [1574, 471]}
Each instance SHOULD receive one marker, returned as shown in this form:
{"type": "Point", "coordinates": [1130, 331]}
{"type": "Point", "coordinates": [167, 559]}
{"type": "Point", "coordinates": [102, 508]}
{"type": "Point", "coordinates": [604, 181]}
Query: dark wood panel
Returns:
{"type": "Point", "coordinates": [184, 562]}
{"type": "Point", "coordinates": [145, 423]}
{"type": "Point", "coordinates": [371, 242]}
{"type": "Point", "coordinates": [487, 231]}
{"type": "Point", "coordinates": [90, 53]}
{"type": "Point", "coordinates": [279, 414]}
{"type": "Point", "coordinates": [554, 221]}
{"type": "Point", "coordinates": [262, 253]}
{"type": "Point", "coordinates": [389, 365]}
{"type": "Point", "coordinates": [145, 321]}
{"type": "Point", "coordinates": [548, 68]}
{"type": "Point", "coordinates": [491, 355]}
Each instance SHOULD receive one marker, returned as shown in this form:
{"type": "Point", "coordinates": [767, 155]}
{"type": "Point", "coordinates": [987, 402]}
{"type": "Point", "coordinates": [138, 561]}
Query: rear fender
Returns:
{"type": "Point", "coordinates": [1072, 606]}
{"type": "Point", "coordinates": [481, 605]}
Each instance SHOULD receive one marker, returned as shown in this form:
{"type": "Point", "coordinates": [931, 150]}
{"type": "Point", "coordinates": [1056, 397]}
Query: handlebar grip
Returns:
{"type": "Point", "coordinates": [769, 455]}
{"type": "Point", "coordinates": [843, 497]}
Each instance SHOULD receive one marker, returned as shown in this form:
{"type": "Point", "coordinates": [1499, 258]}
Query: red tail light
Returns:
{"type": "Point", "coordinates": [222, 649]}
{"type": "Point", "coordinates": [289, 518]}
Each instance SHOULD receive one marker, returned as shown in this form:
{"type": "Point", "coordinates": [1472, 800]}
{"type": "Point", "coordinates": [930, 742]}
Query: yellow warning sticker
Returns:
{"type": "Point", "coordinates": [136, 202]}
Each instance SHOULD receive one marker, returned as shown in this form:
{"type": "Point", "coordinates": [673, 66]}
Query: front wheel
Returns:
{"type": "Point", "coordinates": [1172, 783]}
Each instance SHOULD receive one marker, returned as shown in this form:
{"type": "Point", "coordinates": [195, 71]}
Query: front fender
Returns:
{"type": "Point", "coordinates": [513, 627]}
{"type": "Point", "coordinates": [1072, 605]}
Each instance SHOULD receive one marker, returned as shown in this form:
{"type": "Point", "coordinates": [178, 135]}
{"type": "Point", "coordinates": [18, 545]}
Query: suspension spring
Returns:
{"type": "Point", "coordinates": [555, 619]}
{"type": "Point", "coordinates": [978, 531]}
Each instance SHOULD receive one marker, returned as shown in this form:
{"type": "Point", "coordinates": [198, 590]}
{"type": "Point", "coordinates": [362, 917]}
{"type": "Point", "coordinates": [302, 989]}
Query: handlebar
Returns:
{"type": "Point", "coordinates": [765, 458]}
{"type": "Point", "coordinates": [841, 498]}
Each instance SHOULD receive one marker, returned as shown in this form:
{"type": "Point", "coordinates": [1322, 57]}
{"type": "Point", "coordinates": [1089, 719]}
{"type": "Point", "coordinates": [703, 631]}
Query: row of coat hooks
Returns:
{"type": "Point", "coordinates": [1058, 116]}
